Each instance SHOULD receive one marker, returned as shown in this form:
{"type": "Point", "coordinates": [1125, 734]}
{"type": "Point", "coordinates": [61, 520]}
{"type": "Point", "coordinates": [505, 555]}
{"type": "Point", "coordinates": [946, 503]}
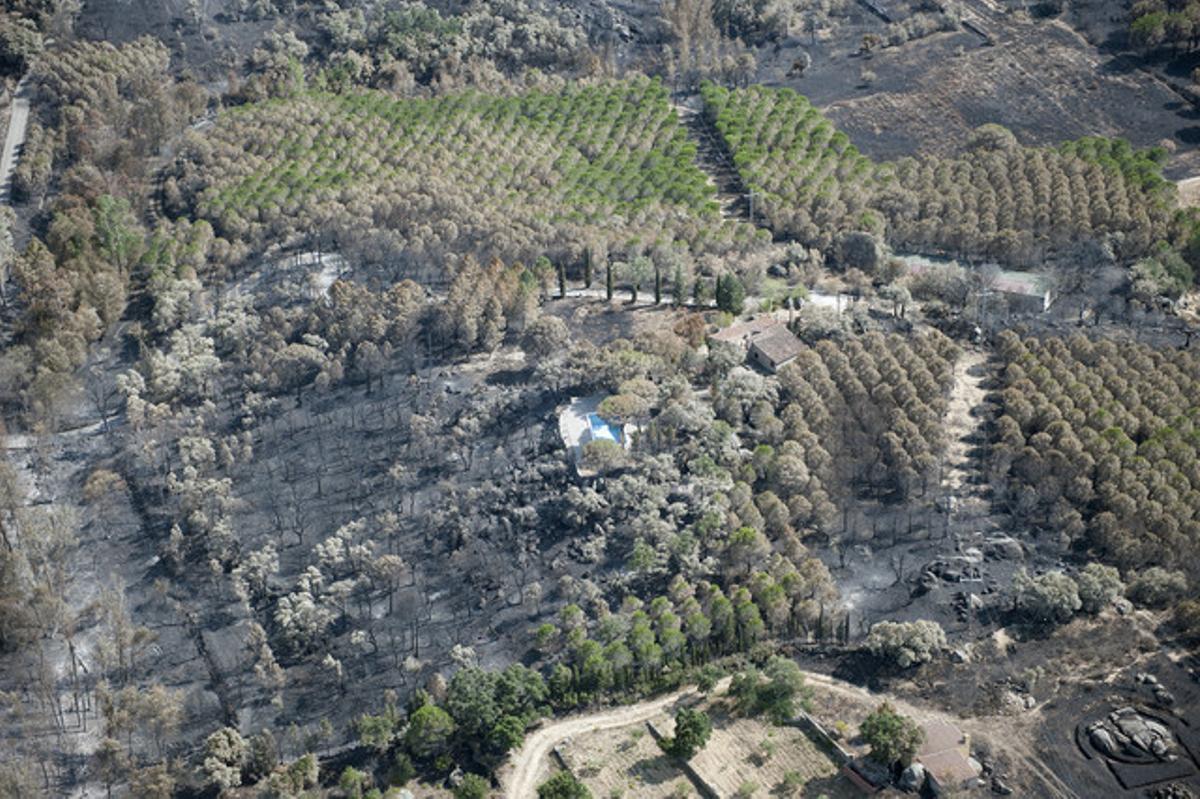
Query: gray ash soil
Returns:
{"type": "Point", "coordinates": [1040, 78]}
{"type": "Point", "coordinates": [1100, 693]}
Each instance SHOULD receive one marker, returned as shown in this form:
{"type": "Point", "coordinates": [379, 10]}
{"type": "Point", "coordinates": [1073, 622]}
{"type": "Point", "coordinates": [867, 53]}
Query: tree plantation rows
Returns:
{"type": "Point", "coordinates": [998, 200]}
{"type": "Point", "coordinates": [879, 402]}
{"type": "Point", "coordinates": [510, 177]}
{"type": "Point", "coordinates": [1098, 445]}
{"type": "Point", "coordinates": [809, 181]}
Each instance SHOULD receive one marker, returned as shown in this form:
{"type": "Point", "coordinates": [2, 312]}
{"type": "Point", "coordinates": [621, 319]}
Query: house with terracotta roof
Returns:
{"type": "Point", "coordinates": [767, 342]}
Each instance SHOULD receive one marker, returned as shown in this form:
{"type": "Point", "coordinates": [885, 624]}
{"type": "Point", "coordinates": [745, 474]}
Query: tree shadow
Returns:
{"type": "Point", "coordinates": [656, 770]}
{"type": "Point", "coordinates": [835, 786]}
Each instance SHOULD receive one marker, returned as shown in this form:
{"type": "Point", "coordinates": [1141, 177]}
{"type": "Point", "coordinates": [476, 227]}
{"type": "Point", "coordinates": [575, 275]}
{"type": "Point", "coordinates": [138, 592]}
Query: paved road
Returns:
{"type": "Point", "coordinates": [529, 762]}
{"type": "Point", "coordinates": [17, 122]}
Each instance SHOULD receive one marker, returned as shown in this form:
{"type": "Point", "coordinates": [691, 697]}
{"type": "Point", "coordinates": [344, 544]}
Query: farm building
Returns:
{"type": "Point", "coordinates": [946, 757]}
{"type": "Point", "coordinates": [775, 348]}
{"type": "Point", "coordinates": [1026, 292]}
{"type": "Point", "coordinates": [767, 341]}
{"type": "Point", "coordinates": [1021, 292]}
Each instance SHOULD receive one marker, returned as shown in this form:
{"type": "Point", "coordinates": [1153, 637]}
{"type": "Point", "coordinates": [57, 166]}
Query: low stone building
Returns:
{"type": "Point", "coordinates": [1007, 292]}
{"type": "Point", "coordinates": [775, 348]}
{"type": "Point", "coordinates": [1025, 292]}
{"type": "Point", "coordinates": [767, 342]}
{"type": "Point", "coordinates": [946, 757]}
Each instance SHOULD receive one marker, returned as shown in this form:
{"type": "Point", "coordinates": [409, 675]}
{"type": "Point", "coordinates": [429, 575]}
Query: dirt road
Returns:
{"type": "Point", "coordinates": [963, 422]}
{"type": "Point", "coordinates": [1189, 192]}
{"type": "Point", "coordinates": [18, 120]}
{"type": "Point", "coordinates": [530, 761]}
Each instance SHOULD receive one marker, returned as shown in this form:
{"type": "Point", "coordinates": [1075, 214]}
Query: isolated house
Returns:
{"type": "Point", "coordinates": [767, 341]}
{"type": "Point", "coordinates": [946, 756]}
{"type": "Point", "coordinates": [775, 348]}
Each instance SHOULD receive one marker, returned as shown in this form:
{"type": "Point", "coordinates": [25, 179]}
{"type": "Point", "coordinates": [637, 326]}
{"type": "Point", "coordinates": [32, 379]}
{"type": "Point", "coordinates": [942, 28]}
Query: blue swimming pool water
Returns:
{"type": "Point", "coordinates": [602, 430]}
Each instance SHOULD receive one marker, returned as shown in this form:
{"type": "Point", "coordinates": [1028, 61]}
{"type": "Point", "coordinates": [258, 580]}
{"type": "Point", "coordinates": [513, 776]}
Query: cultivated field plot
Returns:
{"type": "Point", "coordinates": [746, 751]}
{"type": "Point", "coordinates": [625, 762]}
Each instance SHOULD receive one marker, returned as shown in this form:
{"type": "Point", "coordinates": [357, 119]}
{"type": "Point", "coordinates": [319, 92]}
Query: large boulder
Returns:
{"type": "Point", "coordinates": [912, 778]}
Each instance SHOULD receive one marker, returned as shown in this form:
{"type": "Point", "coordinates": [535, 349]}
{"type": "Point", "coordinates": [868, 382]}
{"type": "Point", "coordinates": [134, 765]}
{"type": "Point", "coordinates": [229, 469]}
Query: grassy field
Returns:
{"type": "Point", "coordinates": [751, 757]}
{"type": "Point", "coordinates": [626, 762]}
{"type": "Point", "coordinates": [746, 757]}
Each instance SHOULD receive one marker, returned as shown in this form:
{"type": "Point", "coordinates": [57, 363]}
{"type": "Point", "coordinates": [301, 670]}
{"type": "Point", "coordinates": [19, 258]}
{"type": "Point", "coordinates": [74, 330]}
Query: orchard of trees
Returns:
{"type": "Point", "coordinates": [998, 200]}
{"type": "Point", "coordinates": [329, 515]}
{"type": "Point", "coordinates": [877, 401]}
{"type": "Point", "coordinates": [605, 169]}
{"type": "Point", "coordinates": [808, 181]}
{"type": "Point", "coordinates": [1096, 445]}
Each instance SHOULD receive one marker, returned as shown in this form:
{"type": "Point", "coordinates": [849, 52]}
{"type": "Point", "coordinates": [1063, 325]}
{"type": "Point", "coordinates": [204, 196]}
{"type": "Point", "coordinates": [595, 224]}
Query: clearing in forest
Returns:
{"type": "Point", "coordinates": [625, 761]}
{"type": "Point", "coordinates": [750, 755]}
{"type": "Point", "coordinates": [964, 429]}
{"type": "Point", "coordinates": [754, 758]}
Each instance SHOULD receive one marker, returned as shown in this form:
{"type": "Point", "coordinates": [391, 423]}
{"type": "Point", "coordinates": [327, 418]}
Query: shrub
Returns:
{"type": "Point", "coordinates": [225, 753]}
{"type": "Point", "coordinates": [780, 696]}
{"type": "Point", "coordinates": [1098, 585]}
{"type": "Point", "coordinates": [563, 786]}
{"type": "Point", "coordinates": [692, 731]}
{"type": "Point", "coordinates": [1187, 619]}
{"type": "Point", "coordinates": [891, 736]}
{"type": "Point", "coordinates": [472, 786]}
{"type": "Point", "coordinates": [1157, 587]}
{"type": "Point", "coordinates": [906, 643]}
{"type": "Point", "coordinates": [1048, 598]}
